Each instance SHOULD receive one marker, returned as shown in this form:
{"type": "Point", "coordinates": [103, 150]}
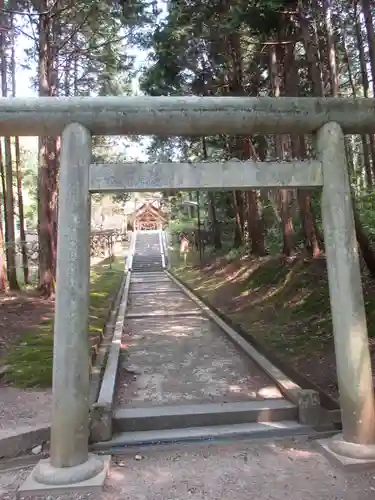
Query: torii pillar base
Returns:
{"type": "Point", "coordinates": [45, 479]}
{"type": "Point", "coordinates": [346, 455]}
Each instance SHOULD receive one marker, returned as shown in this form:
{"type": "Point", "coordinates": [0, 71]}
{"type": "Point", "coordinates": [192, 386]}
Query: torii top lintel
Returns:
{"type": "Point", "coordinates": [184, 116]}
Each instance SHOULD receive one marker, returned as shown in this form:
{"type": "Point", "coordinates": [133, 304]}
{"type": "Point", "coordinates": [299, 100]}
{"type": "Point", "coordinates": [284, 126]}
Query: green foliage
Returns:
{"type": "Point", "coordinates": [366, 204]}
{"type": "Point", "coordinates": [182, 224]}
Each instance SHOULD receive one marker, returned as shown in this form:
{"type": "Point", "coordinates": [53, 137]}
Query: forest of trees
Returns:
{"type": "Point", "coordinates": [319, 48]}
{"type": "Point", "coordinates": [77, 48]}
{"type": "Point", "coordinates": [196, 47]}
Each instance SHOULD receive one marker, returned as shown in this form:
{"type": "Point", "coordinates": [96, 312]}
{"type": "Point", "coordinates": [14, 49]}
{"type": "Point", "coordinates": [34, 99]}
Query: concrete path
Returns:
{"type": "Point", "coordinates": [178, 359]}
{"type": "Point", "coordinates": [280, 470]}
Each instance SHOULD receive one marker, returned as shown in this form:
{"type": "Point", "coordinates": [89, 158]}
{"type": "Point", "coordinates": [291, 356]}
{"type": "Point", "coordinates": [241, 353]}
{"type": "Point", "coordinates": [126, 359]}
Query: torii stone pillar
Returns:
{"type": "Point", "coordinates": [70, 462]}
{"type": "Point", "coordinates": [348, 313]}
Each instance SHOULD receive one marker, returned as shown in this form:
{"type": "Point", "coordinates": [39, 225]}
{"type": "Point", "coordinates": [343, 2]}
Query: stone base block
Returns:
{"type": "Point", "coordinates": [330, 448]}
{"type": "Point", "coordinates": [66, 480]}
{"type": "Point", "coordinates": [101, 422]}
{"type": "Point", "coordinates": [309, 408]}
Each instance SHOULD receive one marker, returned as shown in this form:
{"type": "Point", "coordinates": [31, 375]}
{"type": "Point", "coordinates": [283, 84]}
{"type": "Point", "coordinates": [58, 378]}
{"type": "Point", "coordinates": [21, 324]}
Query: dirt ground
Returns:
{"type": "Point", "coordinates": [240, 470]}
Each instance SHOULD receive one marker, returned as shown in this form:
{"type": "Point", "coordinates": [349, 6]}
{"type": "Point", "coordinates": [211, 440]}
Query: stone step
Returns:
{"type": "Point", "coordinates": [147, 262]}
{"type": "Point", "coordinates": [259, 430]}
{"type": "Point", "coordinates": [153, 275]}
{"type": "Point", "coordinates": [201, 415]}
{"type": "Point", "coordinates": [147, 279]}
{"type": "Point", "coordinates": [165, 314]}
{"type": "Point", "coordinates": [156, 265]}
{"type": "Point", "coordinates": [147, 253]}
{"type": "Point", "coordinates": [139, 270]}
{"type": "Point", "coordinates": [139, 262]}
{"type": "Point", "coordinates": [148, 258]}
{"type": "Point", "coordinates": [148, 288]}
{"type": "Point", "coordinates": [156, 291]}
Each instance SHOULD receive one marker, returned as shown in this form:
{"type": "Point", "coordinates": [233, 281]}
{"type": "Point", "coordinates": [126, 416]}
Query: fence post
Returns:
{"type": "Point", "coordinates": [347, 305]}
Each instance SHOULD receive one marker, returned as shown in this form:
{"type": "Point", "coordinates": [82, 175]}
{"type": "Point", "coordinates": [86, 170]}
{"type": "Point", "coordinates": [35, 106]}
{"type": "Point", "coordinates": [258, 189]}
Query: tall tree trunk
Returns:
{"type": "Point", "coordinates": [4, 190]}
{"type": "Point", "coordinates": [364, 140]}
{"type": "Point", "coordinates": [318, 30]}
{"type": "Point", "coordinates": [211, 198]}
{"type": "Point", "coordinates": [255, 224]}
{"type": "Point", "coordinates": [3, 272]}
{"type": "Point", "coordinates": [215, 224]}
{"type": "Point", "coordinates": [47, 179]}
{"type": "Point", "coordinates": [312, 52]}
{"type": "Point", "coordinates": [299, 151]}
{"type": "Point", "coordinates": [9, 215]}
{"type": "Point", "coordinates": [190, 208]}
{"type": "Point", "coordinates": [367, 251]}
{"type": "Point", "coordinates": [364, 243]}
{"type": "Point", "coordinates": [250, 224]}
{"type": "Point", "coordinates": [255, 221]}
{"type": "Point", "coordinates": [237, 228]}
{"type": "Point", "coordinates": [25, 264]}
{"type": "Point", "coordinates": [327, 5]}
{"type": "Point", "coordinates": [367, 7]}
{"type": "Point", "coordinates": [234, 150]}
{"type": "Point", "coordinates": [313, 240]}
{"type": "Point", "coordinates": [285, 195]}
{"type": "Point", "coordinates": [366, 86]}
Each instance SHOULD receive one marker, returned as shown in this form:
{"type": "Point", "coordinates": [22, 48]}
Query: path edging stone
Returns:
{"type": "Point", "coordinates": [14, 442]}
{"type": "Point", "coordinates": [98, 366]}
{"type": "Point", "coordinates": [102, 409]}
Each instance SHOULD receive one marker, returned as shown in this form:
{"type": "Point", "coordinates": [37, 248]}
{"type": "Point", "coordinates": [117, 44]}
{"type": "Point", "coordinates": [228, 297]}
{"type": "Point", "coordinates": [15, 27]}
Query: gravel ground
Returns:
{"type": "Point", "coordinates": [185, 360]}
{"type": "Point", "coordinates": [158, 303]}
{"type": "Point", "coordinates": [234, 471]}
{"type": "Point", "coordinates": [24, 407]}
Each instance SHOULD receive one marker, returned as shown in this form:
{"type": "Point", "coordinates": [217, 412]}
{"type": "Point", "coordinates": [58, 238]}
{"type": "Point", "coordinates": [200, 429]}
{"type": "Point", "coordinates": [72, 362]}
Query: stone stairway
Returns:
{"type": "Point", "coordinates": [147, 252]}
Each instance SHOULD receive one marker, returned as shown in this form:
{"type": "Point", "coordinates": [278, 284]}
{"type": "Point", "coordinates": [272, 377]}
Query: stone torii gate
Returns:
{"type": "Point", "coordinates": [76, 119]}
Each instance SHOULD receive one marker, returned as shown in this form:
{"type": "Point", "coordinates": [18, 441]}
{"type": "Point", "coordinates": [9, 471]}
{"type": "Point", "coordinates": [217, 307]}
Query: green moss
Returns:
{"type": "Point", "coordinates": [269, 273]}
{"type": "Point", "coordinates": [31, 361]}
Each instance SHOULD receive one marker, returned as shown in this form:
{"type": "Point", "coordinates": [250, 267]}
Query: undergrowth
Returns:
{"type": "Point", "coordinates": [284, 305]}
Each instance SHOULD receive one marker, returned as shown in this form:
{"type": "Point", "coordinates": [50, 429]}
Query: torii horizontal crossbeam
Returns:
{"type": "Point", "coordinates": [184, 116]}
{"type": "Point", "coordinates": [204, 175]}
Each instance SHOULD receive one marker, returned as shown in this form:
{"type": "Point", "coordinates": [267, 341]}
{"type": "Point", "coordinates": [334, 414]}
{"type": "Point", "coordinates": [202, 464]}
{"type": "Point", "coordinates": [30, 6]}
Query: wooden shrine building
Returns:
{"type": "Point", "coordinates": [148, 217]}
